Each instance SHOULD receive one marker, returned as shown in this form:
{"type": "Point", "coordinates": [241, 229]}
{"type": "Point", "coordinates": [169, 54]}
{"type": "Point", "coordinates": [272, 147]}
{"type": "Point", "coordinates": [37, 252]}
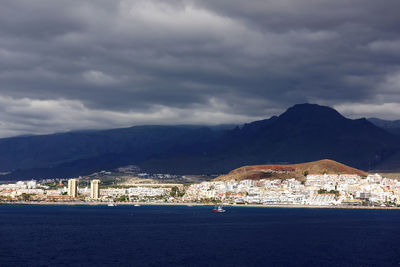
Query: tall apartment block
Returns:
{"type": "Point", "coordinates": [73, 187]}
{"type": "Point", "coordinates": [95, 189]}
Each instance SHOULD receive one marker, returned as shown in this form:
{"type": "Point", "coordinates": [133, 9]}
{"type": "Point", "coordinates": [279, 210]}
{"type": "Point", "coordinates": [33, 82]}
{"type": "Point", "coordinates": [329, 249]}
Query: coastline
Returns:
{"type": "Point", "coordinates": [201, 204]}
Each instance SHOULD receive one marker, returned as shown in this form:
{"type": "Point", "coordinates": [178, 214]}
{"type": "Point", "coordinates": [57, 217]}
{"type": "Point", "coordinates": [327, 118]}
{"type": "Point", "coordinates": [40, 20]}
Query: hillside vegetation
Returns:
{"type": "Point", "coordinates": [297, 171]}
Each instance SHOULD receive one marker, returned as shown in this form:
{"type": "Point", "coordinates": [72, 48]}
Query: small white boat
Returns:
{"type": "Point", "coordinates": [111, 204]}
{"type": "Point", "coordinates": [218, 209]}
{"type": "Point", "coordinates": [137, 205]}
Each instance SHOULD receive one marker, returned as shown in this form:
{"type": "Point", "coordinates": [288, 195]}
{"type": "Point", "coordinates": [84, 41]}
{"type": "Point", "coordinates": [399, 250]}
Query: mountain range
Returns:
{"type": "Point", "coordinates": [304, 132]}
{"type": "Point", "coordinates": [390, 126]}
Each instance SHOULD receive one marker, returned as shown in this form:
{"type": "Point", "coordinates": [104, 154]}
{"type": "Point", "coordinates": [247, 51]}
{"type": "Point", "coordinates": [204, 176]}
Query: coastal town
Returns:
{"type": "Point", "coordinates": [314, 190]}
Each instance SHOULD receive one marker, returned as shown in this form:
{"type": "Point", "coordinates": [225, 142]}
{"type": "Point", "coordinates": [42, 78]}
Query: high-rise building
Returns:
{"type": "Point", "coordinates": [95, 189]}
{"type": "Point", "coordinates": [73, 187]}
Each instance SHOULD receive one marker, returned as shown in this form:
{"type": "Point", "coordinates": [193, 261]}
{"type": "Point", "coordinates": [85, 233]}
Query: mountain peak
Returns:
{"type": "Point", "coordinates": [308, 108]}
{"type": "Point", "coordinates": [311, 112]}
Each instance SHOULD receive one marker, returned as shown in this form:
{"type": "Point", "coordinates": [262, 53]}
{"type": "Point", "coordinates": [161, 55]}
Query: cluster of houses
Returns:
{"type": "Point", "coordinates": [135, 193]}
{"type": "Point", "coordinates": [326, 189]}
{"type": "Point", "coordinates": [33, 191]}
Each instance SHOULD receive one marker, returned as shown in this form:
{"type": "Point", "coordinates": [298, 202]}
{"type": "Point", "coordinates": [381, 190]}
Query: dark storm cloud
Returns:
{"type": "Point", "coordinates": [99, 64]}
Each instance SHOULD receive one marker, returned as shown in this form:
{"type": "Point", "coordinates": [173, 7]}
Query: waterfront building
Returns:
{"type": "Point", "coordinates": [31, 184]}
{"type": "Point", "coordinates": [73, 187]}
{"type": "Point", "coordinates": [95, 189]}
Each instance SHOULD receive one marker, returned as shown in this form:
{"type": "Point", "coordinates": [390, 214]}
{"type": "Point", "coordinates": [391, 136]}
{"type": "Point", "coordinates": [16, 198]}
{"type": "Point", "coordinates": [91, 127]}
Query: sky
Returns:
{"type": "Point", "coordinates": [79, 64]}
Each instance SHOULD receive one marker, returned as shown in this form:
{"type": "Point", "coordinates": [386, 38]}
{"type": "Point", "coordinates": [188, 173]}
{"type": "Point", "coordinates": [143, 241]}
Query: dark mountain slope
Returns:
{"type": "Point", "coordinates": [390, 126]}
{"type": "Point", "coordinates": [79, 153]}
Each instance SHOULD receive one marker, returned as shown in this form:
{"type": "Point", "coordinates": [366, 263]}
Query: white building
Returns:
{"type": "Point", "coordinates": [73, 187]}
{"type": "Point", "coordinates": [95, 189]}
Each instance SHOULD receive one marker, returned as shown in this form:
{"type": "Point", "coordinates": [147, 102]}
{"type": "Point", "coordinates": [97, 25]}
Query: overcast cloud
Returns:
{"type": "Point", "coordinates": [77, 64]}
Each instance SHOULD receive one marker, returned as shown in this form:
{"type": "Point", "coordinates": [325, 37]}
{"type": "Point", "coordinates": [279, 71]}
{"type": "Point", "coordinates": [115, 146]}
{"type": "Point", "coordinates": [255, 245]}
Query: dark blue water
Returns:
{"type": "Point", "coordinates": [194, 236]}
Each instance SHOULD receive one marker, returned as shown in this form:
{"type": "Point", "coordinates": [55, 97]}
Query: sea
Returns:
{"type": "Point", "coordinates": [83, 235]}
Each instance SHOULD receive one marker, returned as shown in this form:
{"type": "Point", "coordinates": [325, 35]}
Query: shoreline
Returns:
{"type": "Point", "coordinates": [200, 204]}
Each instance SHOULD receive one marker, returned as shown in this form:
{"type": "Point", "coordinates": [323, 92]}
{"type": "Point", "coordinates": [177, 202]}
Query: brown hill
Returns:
{"type": "Point", "coordinates": [290, 171]}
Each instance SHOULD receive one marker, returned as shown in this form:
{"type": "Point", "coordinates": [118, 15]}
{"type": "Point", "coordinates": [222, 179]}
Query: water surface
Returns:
{"type": "Point", "coordinates": [194, 236]}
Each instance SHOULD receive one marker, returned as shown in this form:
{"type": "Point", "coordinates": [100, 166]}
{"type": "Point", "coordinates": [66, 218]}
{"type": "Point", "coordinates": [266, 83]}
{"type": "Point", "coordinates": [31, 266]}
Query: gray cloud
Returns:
{"type": "Point", "coordinates": [68, 65]}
